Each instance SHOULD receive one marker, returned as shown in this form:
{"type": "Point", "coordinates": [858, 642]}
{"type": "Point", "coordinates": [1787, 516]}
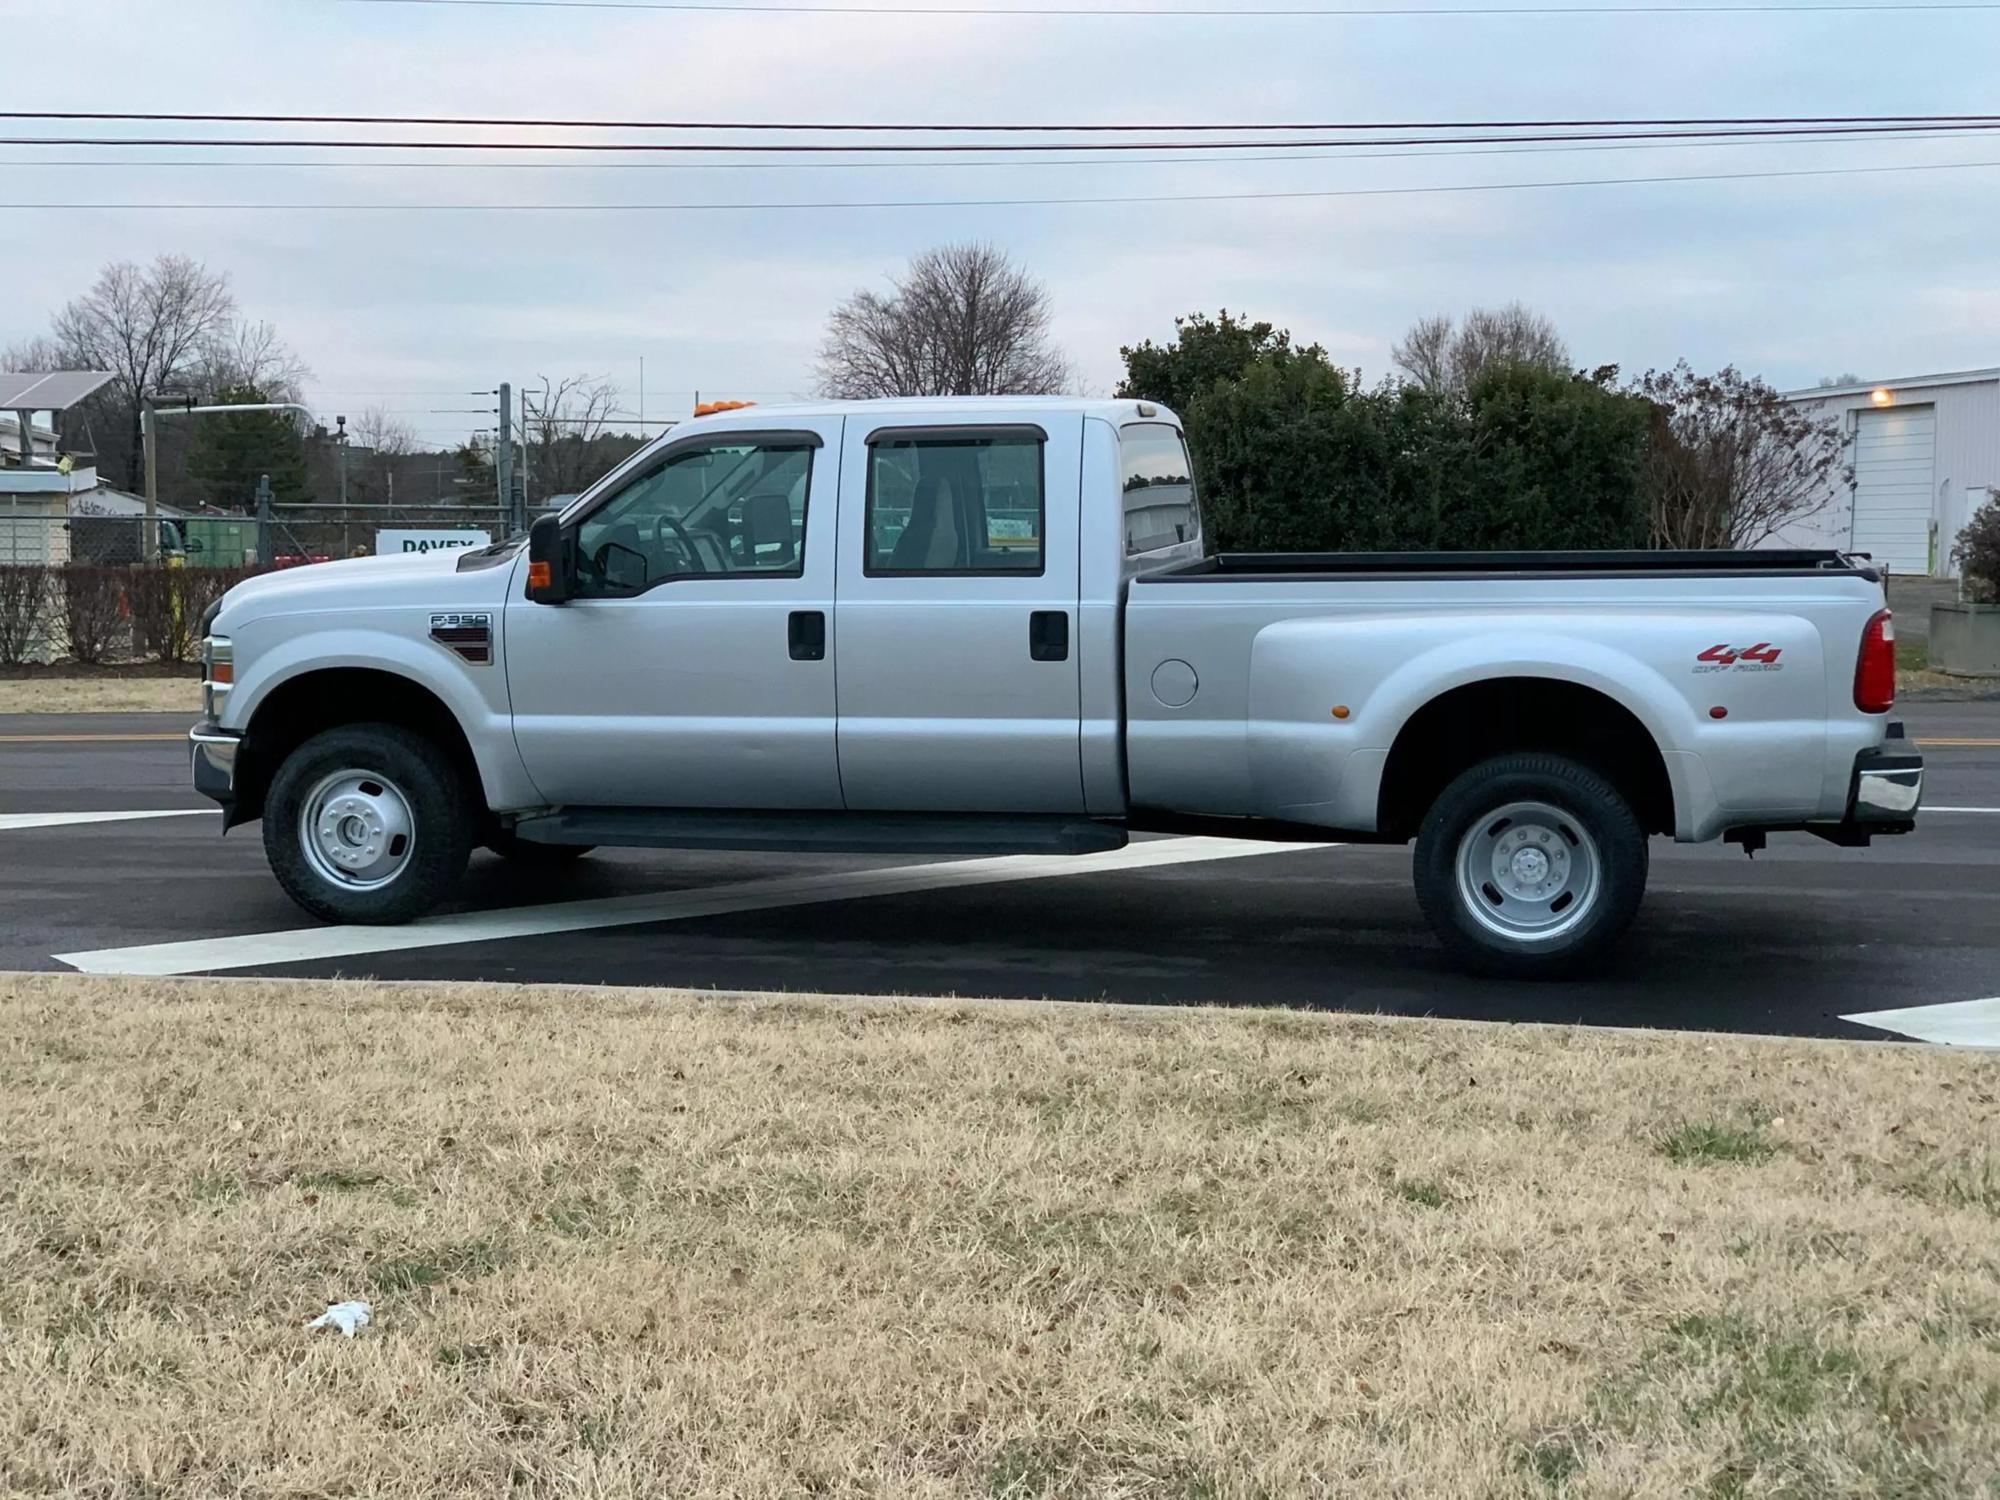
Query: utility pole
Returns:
{"type": "Point", "coordinates": [527, 448]}
{"type": "Point", "coordinates": [263, 520]}
{"type": "Point", "coordinates": [503, 459]}
{"type": "Point", "coordinates": [340, 440]}
{"type": "Point", "coordinates": [149, 540]}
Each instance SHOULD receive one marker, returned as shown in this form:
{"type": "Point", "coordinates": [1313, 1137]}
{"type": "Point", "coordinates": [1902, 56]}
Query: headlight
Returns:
{"type": "Point", "coordinates": [218, 673]}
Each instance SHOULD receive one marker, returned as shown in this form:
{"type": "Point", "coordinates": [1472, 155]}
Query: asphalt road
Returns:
{"type": "Point", "coordinates": [1786, 944]}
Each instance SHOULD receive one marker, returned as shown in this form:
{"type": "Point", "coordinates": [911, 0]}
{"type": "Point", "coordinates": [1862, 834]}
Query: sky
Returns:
{"type": "Point", "coordinates": [409, 306]}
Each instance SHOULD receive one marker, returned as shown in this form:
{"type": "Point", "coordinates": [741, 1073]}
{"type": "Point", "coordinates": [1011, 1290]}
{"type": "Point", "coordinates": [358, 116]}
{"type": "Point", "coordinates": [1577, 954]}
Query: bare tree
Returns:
{"type": "Point", "coordinates": [964, 320]}
{"type": "Point", "coordinates": [1425, 352]}
{"type": "Point", "coordinates": [389, 436]}
{"type": "Point", "coordinates": [1730, 463]}
{"type": "Point", "coordinates": [150, 327]}
{"type": "Point", "coordinates": [250, 354]}
{"type": "Point", "coordinates": [1442, 355]}
{"type": "Point", "coordinates": [377, 449]}
{"type": "Point", "coordinates": [36, 355]}
{"type": "Point", "coordinates": [564, 425]}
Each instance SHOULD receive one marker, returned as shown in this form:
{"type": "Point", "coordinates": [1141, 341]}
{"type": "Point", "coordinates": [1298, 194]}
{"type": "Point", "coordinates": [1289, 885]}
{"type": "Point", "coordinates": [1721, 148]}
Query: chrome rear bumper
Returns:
{"type": "Point", "coordinates": [1888, 785]}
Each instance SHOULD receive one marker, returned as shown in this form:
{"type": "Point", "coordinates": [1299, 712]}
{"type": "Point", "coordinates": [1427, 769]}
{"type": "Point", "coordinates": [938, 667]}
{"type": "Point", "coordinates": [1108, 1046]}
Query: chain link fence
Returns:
{"type": "Point", "coordinates": [288, 535]}
{"type": "Point", "coordinates": [88, 588]}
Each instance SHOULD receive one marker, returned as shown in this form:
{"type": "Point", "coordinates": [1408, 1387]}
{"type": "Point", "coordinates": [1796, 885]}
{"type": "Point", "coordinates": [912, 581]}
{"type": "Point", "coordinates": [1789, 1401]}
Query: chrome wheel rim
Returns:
{"type": "Point", "coordinates": [357, 830]}
{"type": "Point", "coordinates": [1529, 872]}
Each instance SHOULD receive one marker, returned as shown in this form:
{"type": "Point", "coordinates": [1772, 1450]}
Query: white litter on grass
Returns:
{"type": "Point", "coordinates": [346, 1316]}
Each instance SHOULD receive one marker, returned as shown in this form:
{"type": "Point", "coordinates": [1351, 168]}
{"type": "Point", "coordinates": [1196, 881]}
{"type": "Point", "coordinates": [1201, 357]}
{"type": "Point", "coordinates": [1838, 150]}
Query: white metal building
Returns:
{"type": "Point", "coordinates": [1925, 454]}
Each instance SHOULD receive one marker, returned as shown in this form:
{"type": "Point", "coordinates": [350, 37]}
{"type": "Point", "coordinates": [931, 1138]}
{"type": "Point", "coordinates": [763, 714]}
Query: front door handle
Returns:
{"type": "Point", "coordinates": [806, 634]}
{"type": "Point", "coordinates": [1048, 635]}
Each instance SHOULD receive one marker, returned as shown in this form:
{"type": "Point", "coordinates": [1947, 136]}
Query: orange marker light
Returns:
{"type": "Point", "coordinates": [539, 576]}
{"type": "Point", "coordinates": [222, 671]}
{"type": "Point", "coordinates": [1341, 711]}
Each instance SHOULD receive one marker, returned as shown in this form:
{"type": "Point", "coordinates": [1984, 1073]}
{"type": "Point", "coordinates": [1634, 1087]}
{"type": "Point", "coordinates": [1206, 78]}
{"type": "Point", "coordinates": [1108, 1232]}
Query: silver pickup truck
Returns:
{"type": "Point", "coordinates": [982, 626]}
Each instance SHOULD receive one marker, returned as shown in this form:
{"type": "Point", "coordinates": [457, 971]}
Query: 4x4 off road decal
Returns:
{"type": "Point", "coordinates": [471, 636]}
{"type": "Point", "coordinates": [1762, 657]}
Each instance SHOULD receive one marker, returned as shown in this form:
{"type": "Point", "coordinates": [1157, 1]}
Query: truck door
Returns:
{"type": "Point", "coordinates": [696, 667]}
{"type": "Point", "coordinates": [956, 615]}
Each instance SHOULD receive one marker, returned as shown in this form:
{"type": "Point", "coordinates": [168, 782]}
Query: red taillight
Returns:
{"type": "Point", "coordinates": [1875, 668]}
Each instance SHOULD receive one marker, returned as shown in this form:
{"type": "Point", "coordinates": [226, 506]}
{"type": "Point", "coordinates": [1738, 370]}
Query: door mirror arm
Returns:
{"type": "Point", "coordinates": [551, 562]}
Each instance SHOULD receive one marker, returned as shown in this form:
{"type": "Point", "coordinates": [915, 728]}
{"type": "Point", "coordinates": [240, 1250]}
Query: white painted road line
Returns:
{"type": "Point", "coordinates": [1958, 1023]}
{"type": "Point", "coordinates": [308, 944]}
{"type": "Point", "coordinates": [63, 819]}
{"type": "Point", "coordinates": [1922, 810]}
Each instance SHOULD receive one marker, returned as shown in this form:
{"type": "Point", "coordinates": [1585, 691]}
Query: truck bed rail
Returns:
{"type": "Point", "coordinates": [1248, 566]}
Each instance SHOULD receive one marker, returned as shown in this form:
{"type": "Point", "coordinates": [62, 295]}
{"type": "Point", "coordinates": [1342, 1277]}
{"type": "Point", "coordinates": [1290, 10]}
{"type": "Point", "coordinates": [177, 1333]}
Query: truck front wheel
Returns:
{"type": "Point", "coordinates": [1530, 867]}
{"type": "Point", "coordinates": [368, 823]}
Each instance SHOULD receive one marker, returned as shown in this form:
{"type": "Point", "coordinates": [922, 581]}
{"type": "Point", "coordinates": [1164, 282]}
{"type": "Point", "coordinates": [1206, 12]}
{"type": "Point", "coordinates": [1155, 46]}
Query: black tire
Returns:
{"type": "Point", "coordinates": [441, 812]}
{"type": "Point", "coordinates": [1489, 930]}
{"type": "Point", "coordinates": [535, 856]}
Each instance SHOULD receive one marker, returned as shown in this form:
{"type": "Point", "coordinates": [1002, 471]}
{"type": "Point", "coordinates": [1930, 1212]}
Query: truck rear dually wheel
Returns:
{"type": "Point", "coordinates": [367, 823]}
{"type": "Point", "coordinates": [1530, 866]}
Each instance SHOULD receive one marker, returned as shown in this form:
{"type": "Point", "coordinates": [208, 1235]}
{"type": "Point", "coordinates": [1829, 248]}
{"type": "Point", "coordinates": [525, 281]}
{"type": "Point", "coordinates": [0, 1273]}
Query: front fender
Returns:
{"type": "Point", "coordinates": [475, 695]}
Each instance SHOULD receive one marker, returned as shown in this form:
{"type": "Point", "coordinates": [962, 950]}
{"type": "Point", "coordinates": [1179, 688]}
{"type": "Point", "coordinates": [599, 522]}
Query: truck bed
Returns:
{"type": "Point", "coordinates": [1246, 567]}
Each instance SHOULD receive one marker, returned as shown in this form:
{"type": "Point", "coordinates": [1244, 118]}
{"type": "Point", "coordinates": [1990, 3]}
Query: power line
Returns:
{"type": "Point", "coordinates": [1529, 149]}
{"type": "Point", "coordinates": [1140, 198]}
{"type": "Point", "coordinates": [1010, 147]}
{"type": "Point", "coordinates": [1320, 12]}
{"type": "Point", "coordinates": [918, 128]}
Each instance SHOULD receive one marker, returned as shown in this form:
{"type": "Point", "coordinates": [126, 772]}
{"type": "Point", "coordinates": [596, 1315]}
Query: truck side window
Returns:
{"type": "Point", "coordinates": [722, 508]}
{"type": "Point", "coordinates": [1160, 506]}
{"type": "Point", "coordinates": [960, 502]}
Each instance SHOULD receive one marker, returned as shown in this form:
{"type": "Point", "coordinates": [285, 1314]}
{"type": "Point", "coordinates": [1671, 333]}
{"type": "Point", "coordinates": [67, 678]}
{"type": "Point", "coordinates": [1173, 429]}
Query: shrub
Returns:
{"type": "Point", "coordinates": [166, 606]}
{"type": "Point", "coordinates": [96, 612]}
{"type": "Point", "coordinates": [1978, 551]}
{"type": "Point", "coordinates": [200, 587]}
{"type": "Point", "coordinates": [1292, 454]}
{"type": "Point", "coordinates": [26, 597]}
{"type": "Point", "coordinates": [1291, 457]}
{"type": "Point", "coordinates": [157, 630]}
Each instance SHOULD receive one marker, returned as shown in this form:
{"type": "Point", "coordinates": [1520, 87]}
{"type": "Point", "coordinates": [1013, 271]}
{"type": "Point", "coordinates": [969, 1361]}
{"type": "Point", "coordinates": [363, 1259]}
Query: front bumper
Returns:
{"type": "Point", "coordinates": [213, 751]}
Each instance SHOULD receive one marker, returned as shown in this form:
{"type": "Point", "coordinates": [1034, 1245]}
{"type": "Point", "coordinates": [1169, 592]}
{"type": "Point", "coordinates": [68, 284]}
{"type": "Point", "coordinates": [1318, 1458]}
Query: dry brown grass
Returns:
{"type": "Point", "coordinates": [100, 695]}
{"type": "Point", "coordinates": [627, 1243]}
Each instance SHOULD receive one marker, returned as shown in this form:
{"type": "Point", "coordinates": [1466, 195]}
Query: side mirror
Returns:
{"type": "Point", "coordinates": [549, 574]}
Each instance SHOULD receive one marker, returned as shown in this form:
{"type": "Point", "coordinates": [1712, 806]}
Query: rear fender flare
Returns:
{"type": "Point", "coordinates": [1313, 766]}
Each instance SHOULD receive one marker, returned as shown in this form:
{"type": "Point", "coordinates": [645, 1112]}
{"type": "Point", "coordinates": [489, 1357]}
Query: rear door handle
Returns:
{"type": "Point", "coordinates": [1048, 635]}
{"type": "Point", "coordinates": [806, 634]}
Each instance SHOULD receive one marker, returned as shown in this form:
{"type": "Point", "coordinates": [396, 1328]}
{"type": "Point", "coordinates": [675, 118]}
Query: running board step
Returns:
{"type": "Point", "coordinates": [821, 832]}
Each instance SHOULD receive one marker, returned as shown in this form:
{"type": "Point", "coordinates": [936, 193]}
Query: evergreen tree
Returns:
{"type": "Point", "coordinates": [231, 451]}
